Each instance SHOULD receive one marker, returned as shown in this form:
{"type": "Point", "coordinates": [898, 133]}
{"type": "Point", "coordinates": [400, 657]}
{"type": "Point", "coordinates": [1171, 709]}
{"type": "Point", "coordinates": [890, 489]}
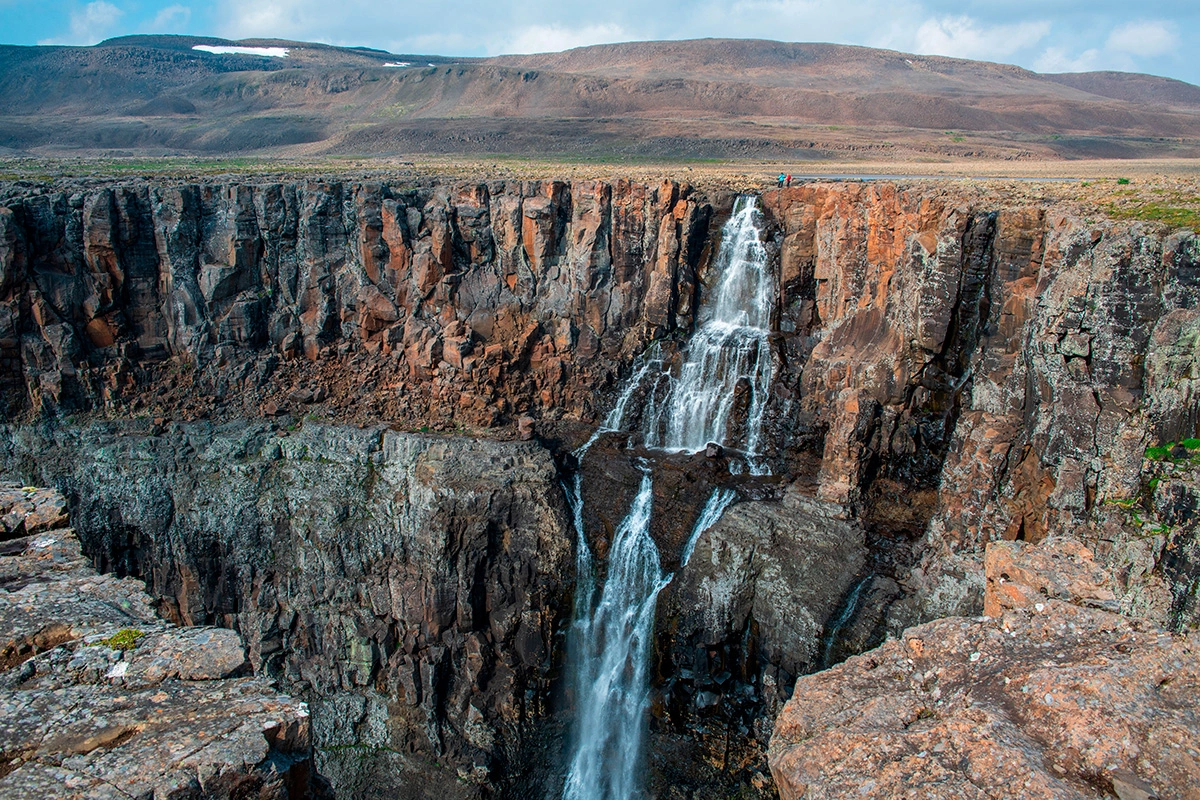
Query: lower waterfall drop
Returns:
{"type": "Point", "coordinates": [611, 682]}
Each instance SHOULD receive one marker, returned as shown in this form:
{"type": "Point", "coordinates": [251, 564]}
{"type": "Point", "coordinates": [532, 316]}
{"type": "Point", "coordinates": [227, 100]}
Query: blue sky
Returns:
{"type": "Point", "coordinates": [1152, 36]}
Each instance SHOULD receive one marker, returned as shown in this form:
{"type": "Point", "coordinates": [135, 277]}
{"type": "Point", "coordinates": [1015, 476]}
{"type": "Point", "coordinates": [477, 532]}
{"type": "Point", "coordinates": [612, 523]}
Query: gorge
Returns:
{"type": "Point", "coordinates": [439, 452]}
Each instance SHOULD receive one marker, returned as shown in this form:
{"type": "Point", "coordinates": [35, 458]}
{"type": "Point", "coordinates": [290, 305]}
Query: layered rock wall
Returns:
{"type": "Point", "coordinates": [984, 373]}
{"type": "Point", "coordinates": [462, 305]}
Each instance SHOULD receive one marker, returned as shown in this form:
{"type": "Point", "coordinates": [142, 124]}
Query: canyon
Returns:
{"type": "Point", "coordinates": [369, 427]}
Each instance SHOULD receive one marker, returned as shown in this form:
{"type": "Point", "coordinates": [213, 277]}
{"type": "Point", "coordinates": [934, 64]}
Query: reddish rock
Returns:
{"type": "Point", "coordinates": [1049, 699]}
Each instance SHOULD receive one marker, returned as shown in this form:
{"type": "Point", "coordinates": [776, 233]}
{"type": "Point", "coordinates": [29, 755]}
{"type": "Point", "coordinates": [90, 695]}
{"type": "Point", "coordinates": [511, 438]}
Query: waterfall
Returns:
{"type": "Point", "coordinates": [718, 501]}
{"type": "Point", "coordinates": [613, 692]}
{"type": "Point", "coordinates": [610, 637]}
{"type": "Point", "coordinates": [834, 627]}
{"type": "Point", "coordinates": [730, 346]}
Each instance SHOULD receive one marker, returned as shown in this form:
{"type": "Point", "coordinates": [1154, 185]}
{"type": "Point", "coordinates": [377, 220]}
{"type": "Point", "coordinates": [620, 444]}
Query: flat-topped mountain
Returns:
{"type": "Point", "coordinates": [713, 98]}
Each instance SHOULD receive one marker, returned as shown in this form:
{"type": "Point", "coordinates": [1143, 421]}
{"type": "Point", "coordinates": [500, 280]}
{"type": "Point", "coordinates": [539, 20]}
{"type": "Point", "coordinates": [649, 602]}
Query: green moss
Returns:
{"type": "Point", "coordinates": [1191, 444]}
{"type": "Point", "coordinates": [1122, 181]}
{"type": "Point", "coordinates": [1160, 453]}
{"type": "Point", "coordinates": [124, 639]}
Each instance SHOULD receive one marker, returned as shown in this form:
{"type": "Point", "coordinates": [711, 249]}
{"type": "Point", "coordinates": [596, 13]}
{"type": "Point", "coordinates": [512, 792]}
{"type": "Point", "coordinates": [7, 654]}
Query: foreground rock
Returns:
{"type": "Point", "coordinates": [101, 698]}
{"type": "Point", "coordinates": [410, 587]}
{"type": "Point", "coordinates": [1052, 698]}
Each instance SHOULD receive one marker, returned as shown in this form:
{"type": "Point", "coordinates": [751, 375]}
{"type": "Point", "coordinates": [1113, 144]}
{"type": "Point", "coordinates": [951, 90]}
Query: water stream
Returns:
{"type": "Point", "coordinates": [611, 680]}
{"type": "Point", "coordinates": [730, 347]}
{"type": "Point", "coordinates": [611, 637]}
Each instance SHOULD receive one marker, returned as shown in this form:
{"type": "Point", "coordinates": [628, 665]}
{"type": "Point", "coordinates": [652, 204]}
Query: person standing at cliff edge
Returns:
{"type": "Point", "coordinates": [781, 177]}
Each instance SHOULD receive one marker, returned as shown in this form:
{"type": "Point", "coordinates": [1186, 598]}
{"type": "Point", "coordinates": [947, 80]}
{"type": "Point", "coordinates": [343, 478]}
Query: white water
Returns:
{"type": "Point", "coordinates": [613, 693]}
{"type": "Point", "coordinates": [610, 638]}
{"type": "Point", "coordinates": [718, 501]}
{"type": "Point", "coordinates": [731, 345]}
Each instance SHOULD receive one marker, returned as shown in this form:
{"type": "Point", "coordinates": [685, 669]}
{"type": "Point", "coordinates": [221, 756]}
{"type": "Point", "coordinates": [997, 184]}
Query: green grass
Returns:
{"type": "Point", "coordinates": [1160, 453]}
{"type": "Point", "coordinates": [1172, 215]}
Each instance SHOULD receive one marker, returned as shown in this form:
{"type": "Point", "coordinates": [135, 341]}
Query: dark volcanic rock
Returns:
{"type": "Point", "coordinates": [735, 627]}
{"type": "Point", "coordinates": [471, 305]}
{"type": "Point", "coordinates": [411, 586]}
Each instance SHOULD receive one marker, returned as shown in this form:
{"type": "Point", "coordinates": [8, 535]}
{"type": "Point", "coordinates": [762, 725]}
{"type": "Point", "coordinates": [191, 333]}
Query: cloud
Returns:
{"type": "Point", "coordinates": [552, 38]}
{"type": "Point", "coordinates": [964, 37]}
{"type": "Point", "coordinates": [1056, 59]}
{"type": "Point", "coordinates": [1144, 38]}
{"type": "Point", "coordinates": [90, 24]}
{"type": "Point", "coordinates": [172, 19]}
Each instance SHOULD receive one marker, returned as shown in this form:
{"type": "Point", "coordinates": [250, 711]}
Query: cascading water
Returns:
{"type": "Point", "coordinates": [613, 693]}
{"type": "Point", "coordinates": [610, 636]}
{"type": "Point", "coordinates": [730, 346]}
{"type": "Point", "coordinates": [718, 501]}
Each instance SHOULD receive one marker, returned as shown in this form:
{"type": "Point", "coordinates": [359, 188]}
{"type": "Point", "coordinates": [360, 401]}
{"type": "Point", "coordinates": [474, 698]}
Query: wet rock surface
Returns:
{"type": "Point", "coordinates": [735, 627]}
{"type": "Point", "coordinates": [100, 697]}
{"type": "Point", "coordinates": [1051, 697]}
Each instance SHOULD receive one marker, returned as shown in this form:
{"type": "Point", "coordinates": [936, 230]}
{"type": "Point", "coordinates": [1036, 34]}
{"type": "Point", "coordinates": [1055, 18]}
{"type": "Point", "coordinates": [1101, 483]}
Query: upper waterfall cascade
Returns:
{"type": "Point", "coordinates": [731, 347]}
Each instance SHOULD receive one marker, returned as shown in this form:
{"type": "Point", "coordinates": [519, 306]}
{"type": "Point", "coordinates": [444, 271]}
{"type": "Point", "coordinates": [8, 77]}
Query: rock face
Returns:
{"type": "Point", "coordinates": [1050, 698]}
{"type": "Point", "coordinates": [100, 697]}
{"type": "Point", "coordinates": [969, 372]}
{"type": "Point", "coordinates": [410, 586]}
{"type": "Point", "coordinates": [466, 305]}
{"type": "Point", "coordinates": [736, 626]}
{"type": "Point", "coordinates": [952, 369]}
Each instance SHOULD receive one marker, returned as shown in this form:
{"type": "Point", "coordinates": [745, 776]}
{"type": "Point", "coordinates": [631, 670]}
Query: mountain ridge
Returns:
{"type": "Point", "coordinates": [758, 98]}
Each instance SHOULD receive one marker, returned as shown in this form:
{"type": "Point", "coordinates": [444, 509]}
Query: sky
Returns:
{"type": "Point", "coordinates": [1045, 35]}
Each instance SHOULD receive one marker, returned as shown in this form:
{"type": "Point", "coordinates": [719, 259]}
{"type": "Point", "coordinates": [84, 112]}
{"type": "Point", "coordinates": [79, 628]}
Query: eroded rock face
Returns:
{"type": "Point", "coordinates": [466, 305]}
{"type": "Point", "coordinates": [1051, 698]}
{"type": "Point", "coordinates": [412, 586]}
{"type": "Point", "coordinates": [100, 697]}
{"type": "Point", "coordinates": [735, 627]}
{"type": "Point", "coordinates": [971, 374]}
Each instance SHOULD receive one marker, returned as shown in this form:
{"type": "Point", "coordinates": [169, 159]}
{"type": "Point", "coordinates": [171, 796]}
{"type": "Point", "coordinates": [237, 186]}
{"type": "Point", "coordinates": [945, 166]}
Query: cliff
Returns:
{"type": "Point", "coordinates": [951, 369]}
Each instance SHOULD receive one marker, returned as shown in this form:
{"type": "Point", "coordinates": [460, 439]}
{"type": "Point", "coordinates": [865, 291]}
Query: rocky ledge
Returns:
{"type": "Point", "coordinates": [1052, 695]}
{"type": "Point", "coordinates": [101, 698]}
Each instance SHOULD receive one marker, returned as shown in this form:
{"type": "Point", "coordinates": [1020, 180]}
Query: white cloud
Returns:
{"type": "Point", "coordinates": [90, 24]}
{"type": "Point", "coordinates": [286, 18]}
{"type": "Point", "coordinates": [1144, 38]}
{"type": "Point", "coordinates": [552, 38]}
{"type": "Point", "coordinates": [1056, 59]}
{"type": "Point", "coordinates": [963, 37]}
{"type": "Point", "coordinates": [171, 19]}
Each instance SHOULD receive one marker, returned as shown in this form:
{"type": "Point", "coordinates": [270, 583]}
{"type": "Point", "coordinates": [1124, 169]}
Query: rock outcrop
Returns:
{"type": "Point", "coordinates": [1052, 697]}
{"type": "Point", "coordinates": [411, 587]}
{"type": "Point", "coordinates": [735, 627]}
{"type": "Point", "coordinates": [100, 697]}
